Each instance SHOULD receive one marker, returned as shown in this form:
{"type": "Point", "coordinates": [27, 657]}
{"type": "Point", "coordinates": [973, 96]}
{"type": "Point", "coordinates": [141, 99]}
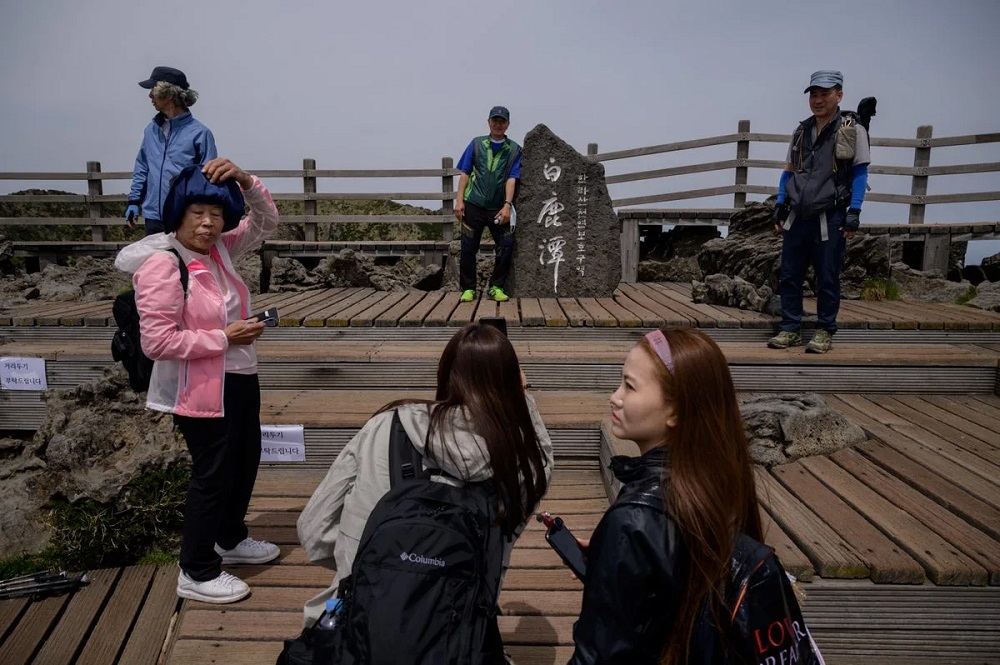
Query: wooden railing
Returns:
{"type": "Point", "coordinates": [919, 175]}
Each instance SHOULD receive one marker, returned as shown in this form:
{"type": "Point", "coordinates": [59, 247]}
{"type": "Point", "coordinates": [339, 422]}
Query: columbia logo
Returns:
{"type": "Point", "coordinates": [416, 558]}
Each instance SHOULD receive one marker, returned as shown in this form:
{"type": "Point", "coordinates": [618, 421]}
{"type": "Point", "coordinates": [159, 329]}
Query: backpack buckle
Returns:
{"type": "Point", "coordinates": [406, 470]}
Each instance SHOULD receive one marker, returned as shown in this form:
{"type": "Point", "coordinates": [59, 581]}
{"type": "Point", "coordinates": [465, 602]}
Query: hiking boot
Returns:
{"type": "Point", "coordinates": [785, 339]}
{"type": "Point", "coordinates": [497, 294]}
{"type": "Point", "coordinates": [468, 295]}
{"type": "Point", "coordinates": [821, 342]}
{"type": "Point", "coordinates": [249, 551]}
{"type": "Point", "coordinates": [223, 589]}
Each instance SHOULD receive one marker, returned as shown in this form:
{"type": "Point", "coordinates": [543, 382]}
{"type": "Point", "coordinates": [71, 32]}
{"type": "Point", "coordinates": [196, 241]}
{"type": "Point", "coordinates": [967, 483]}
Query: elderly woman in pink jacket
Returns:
{"type": "Point", "coordinates": [205, 362]}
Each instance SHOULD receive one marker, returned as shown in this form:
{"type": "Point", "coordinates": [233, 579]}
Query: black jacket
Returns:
{"type": "Point", "coordinates": [635, 568]}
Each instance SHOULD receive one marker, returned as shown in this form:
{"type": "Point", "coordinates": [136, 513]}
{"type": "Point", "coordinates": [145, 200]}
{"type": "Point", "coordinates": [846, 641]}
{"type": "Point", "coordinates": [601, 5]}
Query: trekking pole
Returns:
{"type": "Point", "coordinates": [31, 578]}
{"type": "Point", "coordinates": [51, 586]}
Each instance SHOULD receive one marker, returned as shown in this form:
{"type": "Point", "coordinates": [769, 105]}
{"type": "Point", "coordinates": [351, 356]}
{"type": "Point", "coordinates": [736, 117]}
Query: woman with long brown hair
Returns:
{"type": "Point", "coordinates": [480, 426]}
{"type": "Point", "coordinates": [659, 561]}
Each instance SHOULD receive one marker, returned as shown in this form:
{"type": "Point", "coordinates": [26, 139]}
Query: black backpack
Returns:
{"type": "Point", "coordinates": [126, 347]}
{"type": "Point", "coordinates": [425, 581]}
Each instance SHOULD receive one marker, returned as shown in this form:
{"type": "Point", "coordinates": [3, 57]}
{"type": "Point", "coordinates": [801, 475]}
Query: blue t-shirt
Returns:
{"type": "Point", "coordinates": [465, 163]}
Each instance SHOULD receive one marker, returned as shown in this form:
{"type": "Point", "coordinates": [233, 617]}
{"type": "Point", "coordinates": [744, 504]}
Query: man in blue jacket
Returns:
{"type": "Point", "coordinates": [173, 140]}
{"type": "Point", "coordinates": [820, 193]}
{"type": "Point", "coordinates": [491, 167]}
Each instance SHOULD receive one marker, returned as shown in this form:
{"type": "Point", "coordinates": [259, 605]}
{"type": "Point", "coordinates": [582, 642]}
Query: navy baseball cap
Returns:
{"type": "Point", "coordinates": [191, 186]}
{"type": "Point", "coordinates": [168, 74]}
{"type": "Point", "coordinates": [500, 112]}
{"type": "Point", "coordinates": [825, 78]}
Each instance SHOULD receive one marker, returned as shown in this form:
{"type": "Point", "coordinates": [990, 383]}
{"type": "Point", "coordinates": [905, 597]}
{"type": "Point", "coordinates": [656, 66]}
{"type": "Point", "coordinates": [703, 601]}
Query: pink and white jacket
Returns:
{"type": "Point", "coordinates": [185, 337]}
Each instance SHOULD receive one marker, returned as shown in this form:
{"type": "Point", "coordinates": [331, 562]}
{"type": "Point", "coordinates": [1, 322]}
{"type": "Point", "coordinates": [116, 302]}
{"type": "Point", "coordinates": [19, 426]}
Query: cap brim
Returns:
{"type": "Point", "coordinates": [502, 117]}
{"type": "Point", "coordinates": [148, 84]}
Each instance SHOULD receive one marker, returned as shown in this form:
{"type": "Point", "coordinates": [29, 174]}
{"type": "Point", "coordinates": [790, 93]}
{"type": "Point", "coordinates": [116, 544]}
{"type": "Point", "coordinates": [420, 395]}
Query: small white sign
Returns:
{"type": "Point", "coordinates": [282, 443]}
{"type": "Point", "coordinates": [23, 374]}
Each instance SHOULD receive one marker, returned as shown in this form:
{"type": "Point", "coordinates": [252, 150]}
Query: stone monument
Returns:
{"type": "Point", "coordinates": [568, 240]}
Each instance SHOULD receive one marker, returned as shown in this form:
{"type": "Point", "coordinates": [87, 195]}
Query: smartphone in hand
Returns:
{"type": "Point", "coordinates": [559, 537]}
{"type": "Point", "coordinates": [269, 316]}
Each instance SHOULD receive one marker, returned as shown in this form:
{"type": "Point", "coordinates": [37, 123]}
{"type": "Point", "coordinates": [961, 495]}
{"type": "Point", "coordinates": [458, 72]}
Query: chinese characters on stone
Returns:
{"type": "Point", "coordinates": [552, 248]}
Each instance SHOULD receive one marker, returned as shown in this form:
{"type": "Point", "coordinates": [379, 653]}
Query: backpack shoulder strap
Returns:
{"type": "Point", "coordinates": [405, 461]}
{"type": "Point", "coordinates": [183, 268]}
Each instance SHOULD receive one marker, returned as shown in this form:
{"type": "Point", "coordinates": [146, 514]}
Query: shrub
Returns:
{"type": "Point", "coordinates": [880, 289]}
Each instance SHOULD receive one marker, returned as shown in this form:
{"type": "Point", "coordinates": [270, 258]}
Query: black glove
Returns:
{"type": "Point", "coordinates": [852, 221]}
{"type": "Point", "coordinates": [781, 212]}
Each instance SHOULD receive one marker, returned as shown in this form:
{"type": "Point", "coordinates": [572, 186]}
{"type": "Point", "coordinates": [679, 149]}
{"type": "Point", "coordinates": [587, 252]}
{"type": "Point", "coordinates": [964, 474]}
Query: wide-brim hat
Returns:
{"type": "Point", "coordinates": [167, 74]}
{"type": "Point", "coordinates": [191, 186]}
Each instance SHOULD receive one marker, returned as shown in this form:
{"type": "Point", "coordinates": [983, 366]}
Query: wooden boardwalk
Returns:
{"type": "Point", "coordinates": [912, 516]}
{"type": "Point", "coordinates": [642, 305]}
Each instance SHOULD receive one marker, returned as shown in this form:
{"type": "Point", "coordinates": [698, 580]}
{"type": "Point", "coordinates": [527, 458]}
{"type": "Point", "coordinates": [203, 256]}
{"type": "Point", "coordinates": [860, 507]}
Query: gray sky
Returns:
{"type": "Point", "coordinates": [400, 84]}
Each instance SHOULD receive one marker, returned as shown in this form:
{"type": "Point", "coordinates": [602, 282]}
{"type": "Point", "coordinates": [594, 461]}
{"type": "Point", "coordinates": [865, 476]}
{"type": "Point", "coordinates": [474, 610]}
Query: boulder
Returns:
{"type": "Point", "coordinates": [732, 292]}
{"type": "Point", "coordinates": [926, 285]}
{"type": "Point", "coordinates": [95, 439]}
{"type": "Point", "coordinates": [987, 297]}
{"type": "Point", "coordinates": [784, 428]}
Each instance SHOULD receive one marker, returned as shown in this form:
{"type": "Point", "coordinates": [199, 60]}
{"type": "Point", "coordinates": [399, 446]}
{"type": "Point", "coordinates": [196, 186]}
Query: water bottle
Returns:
{"type": "Point", "coordinates": [325, 636]}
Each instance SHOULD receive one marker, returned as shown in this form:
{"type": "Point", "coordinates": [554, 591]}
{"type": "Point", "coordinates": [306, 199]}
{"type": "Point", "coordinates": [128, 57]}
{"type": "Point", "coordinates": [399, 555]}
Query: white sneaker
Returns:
{"type": "Point", "coordinates": [225, 588]}
{"type": "Point", "coordinates": [249, 551]}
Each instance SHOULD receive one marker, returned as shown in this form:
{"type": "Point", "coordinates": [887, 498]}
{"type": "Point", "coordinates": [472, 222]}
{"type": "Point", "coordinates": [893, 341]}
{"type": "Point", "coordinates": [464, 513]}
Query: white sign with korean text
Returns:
{"type": "Point", "coordinates": [282, 443]}
{"type": "Point", "coordinates": [23, 374]}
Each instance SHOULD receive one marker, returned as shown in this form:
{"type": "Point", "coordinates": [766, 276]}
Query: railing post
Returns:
{"type": "Point", "coordinates": [591, 149]}
{"type": "Point", "coordinates": [742, 154]}
{"type": "Point", "coordinates": [448, 205]}
{"type": "Point", "coordinates": [630, 250]}
{"type": "Point", "coordinates": [95, 187]}
{"type": "Point", "coordinates": [921, 159]}
{"type": "Point", "coordinates": [309, 207]}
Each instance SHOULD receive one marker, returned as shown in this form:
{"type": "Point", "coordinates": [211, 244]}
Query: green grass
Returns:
{"type": "Point", "coordinates": [969, 294]}
{"type": "Point", "coordinates": [24, 564]}
{"type": "Point", "coordinates": [880, 289]}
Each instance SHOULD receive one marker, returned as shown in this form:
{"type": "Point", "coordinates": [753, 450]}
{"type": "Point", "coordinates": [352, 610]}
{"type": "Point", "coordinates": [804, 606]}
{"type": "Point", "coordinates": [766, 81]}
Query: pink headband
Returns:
{"type": "Point", "coordinates": [658, 341]}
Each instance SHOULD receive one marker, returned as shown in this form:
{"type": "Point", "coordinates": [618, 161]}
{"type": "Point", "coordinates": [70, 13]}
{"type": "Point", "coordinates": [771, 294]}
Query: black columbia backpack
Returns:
{"type": "Point", "coordinates": [126, 347]}
{"type": "Point", "coordinates": [425, 581]}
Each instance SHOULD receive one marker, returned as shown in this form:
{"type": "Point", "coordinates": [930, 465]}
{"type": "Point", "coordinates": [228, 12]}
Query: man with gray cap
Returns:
{"type": "Point", "coordinates": [820, 193]}
{"type": "Point", "coordinates": [172, 140]}
{"type": "Point", "coordinates": [490, 166]}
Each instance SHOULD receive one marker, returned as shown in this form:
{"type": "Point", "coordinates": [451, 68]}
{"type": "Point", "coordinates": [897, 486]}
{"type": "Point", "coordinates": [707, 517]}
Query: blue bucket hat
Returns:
{"type": "Point", "coordinates": [825, 78]}
{"type": "Point", "coordinates": [191, 186]}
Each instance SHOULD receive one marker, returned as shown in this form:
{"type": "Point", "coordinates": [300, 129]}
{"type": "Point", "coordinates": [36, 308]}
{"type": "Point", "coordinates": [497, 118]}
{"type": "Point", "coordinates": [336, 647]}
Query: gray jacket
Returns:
{"type": "Point", "coordinates": [331, 525]}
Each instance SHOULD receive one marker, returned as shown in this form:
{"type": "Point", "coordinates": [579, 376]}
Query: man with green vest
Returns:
{"type": "Point", "coordinates": [490, 166]}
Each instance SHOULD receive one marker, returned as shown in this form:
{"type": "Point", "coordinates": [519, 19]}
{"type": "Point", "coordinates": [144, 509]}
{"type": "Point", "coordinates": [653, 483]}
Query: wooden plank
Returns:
{"type": "Point", "coordinates": [831, 555]}
{"type": "Point", "coordinates": [29, 633]}
{"type": "Point", "coordinates": [116, 619]}
{"type": "Point", "coordinates": [554, 317]}
{"type": "Point", "coordinates": [792, 558]}
{"type": "Point", "coordinates": [531, 312]}
{"type": "Point", "coordinates": [971, 542]}
{"type": "Point", "coordinates": [81, 612]}
{"type": "Point", "coordinates": [441, 312]}
{"type": "Point", "coordinates": [931, 451]}
{"type": "Point", "coordinates": [704, 316]}
{"type": "Point", "coordinates": [464, 312]}
{"type": "Point", "coordinates": [647, 318]}
{"type": "Point", "coordinates": [244, 652]}
{"type": "Point", "coordinates": [626, 319]}
{"type": "Point", "coordinates": [985, 427]}
{"type": "Point", "coordinates": [946, 491]}
{"type": "Point", "coordinates": [416, 315]}
{"type": "Point", "coordinates": [599, 317]}
{"type": "Point", "coordinates": [342, 319]}
{"type": "Point", "coordinates": [669, 315]}
{"type": "Point", "coordinates": [367, 317]}
{"type": "Point", "coordinates": [10, 612]}
{"type": "Point", "coordinates": [150, 629]}
{"type": "Point", "coordinates": [295, 312]}
{"type": "Point", "coordinates": [509, 311]}
{"type": "Point", "coordinates": [390, 317]}
{"type": "Point", "coordinates": [968, 436]}
{"type": "Point", "coordinates": [537, 655]}
{"type": "Point", "coordinates": [887, 563]}
{"type": "Point", "coordinates": [577, 315]}
{"type": "Point", "coordinates": [338, 301]}
{"type": "Point", "coordinates": [744, 317]}
{"type": "Point", "coordinates": [943, 564]}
